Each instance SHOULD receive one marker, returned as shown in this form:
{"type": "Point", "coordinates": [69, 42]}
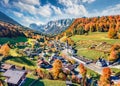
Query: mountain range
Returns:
{"type": "Point", "coordinates": [52, 27]}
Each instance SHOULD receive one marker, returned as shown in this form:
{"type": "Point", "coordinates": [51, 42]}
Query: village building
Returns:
{"type": "Point", "coordinates": [15, 77]}
{"type": "Point", "coordinates": [101, 62]}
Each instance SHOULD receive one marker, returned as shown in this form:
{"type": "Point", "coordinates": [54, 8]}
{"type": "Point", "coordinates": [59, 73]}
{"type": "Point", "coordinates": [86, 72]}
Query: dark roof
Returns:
{"type": "Point", "coordinates": [14, 75]}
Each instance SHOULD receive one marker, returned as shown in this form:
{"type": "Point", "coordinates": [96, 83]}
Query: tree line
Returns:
{"type": "Point", "coordinates": [80, 26]}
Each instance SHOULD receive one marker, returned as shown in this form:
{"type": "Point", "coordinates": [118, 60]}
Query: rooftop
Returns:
{"type": "Point", "coordinates": [14, 75]}
{"type": "Point", "coordinates": [6, 66]}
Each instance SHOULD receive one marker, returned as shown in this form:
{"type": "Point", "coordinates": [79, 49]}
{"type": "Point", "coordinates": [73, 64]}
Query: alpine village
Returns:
{"type": "Point", "coordinates": [82, 51]}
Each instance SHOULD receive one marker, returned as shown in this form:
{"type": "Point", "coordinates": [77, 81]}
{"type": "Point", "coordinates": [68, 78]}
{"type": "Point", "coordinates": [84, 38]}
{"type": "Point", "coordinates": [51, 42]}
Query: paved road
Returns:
{"type": "Point", "coordinates": [91, 66]}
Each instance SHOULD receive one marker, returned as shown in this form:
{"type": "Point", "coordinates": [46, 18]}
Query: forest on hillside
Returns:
{"type": "Point", "coordinates": [84, 25]}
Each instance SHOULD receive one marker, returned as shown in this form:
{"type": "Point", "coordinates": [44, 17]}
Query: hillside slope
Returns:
{"type": "Point", "coordinates": [5, 18]}
{"type": "Point", "coordinates": [81, 26]}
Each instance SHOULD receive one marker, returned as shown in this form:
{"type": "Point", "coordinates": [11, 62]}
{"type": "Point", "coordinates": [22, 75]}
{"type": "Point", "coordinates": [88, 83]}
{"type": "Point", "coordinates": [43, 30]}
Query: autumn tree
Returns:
{"type": "Point", "coordinates": [39, 73]}
{"type": "Point", "coordinates": [1, 84]}
{"type": "Point", "coordinates": [5, 50]}
{"type": "Point", "coordinates": [83, 72]}
{"type": "Point", "coordinates": [105, 77]}
{"type": "Point", "coordinates": [113, 56]}
{"type": "Point", "coordinates": [118, 84]}
{"type": "Point", "coordinates": [57, 67]}
{"type": "Point", "coordinates": [112, 33]}
{"type": "Point", "coordinates": [114, 53]}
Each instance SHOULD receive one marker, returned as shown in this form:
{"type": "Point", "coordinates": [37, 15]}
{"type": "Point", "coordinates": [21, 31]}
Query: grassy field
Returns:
{"type": "Point", "coordinates": [13, 40]}
{"type": "Point", "coordinates": [91, 54]}
{"type": "Point", "coordinates": [95, 36]}
{"type": "Point", "coordinates": [115, 70]}
{"type": "Point", "coordinates": [22, 61]}
{"type": "Point", "coordinates": [47, 82]}
{"type": "Point", "coordinates": [18, 59]}
{"type": "Point", "coordinates": [14, 53]}
{"type": "Point", "coordinates": [93, 74]}
{"type": "Point", "coordinates": [84, 42]}
{"type": "Point", "coordinates": [44, 82]}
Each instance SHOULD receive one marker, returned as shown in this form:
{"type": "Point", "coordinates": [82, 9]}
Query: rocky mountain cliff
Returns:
{"type": "Point", "coordinates": [52, 27]}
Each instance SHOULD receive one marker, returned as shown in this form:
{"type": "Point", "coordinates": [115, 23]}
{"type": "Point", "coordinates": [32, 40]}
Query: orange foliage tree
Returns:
{"type": "Point", "coordinates": [105, 77]}
{"type": "Point", "coordinates": [114, 54]}
{"type": "Point", "coordinates": [57, 67]}
{"type": "Point", "coordinates": [1, 83]}
{"type": "Point", "coordinates": [5, 50]}
{"type": "Point", "coordinates": [118, 84]}
{"type": "Point", "coordinates": [112, 33]}
{"type": "Point", "coordinates": [83, 72]}
{"type": "Point", "coordinates": [40, 73]}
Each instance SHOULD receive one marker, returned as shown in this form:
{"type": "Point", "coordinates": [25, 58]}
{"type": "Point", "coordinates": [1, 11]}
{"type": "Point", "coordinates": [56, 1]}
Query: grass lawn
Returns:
{"type": "Point", "coordinates": [2, 78]}
{"type": "Point", "coordinates": [44, 82]}
{"type": "Point", "coordinates": [30, 41]}
{"type": "Point", "coordinates": [14, 53]}
{"type": "Point", "coordinates": [12, 40]}
{"type": "Point", "coordinates": [93, 74]}
{"type": "Point", "coordinates": [95, 36]}
{"type": "Point", "coordinates": [22, 61]}
{"type": "Point", "coordinates": [115, 70]}
{"type": "Point", "coordinates": [91, 54]}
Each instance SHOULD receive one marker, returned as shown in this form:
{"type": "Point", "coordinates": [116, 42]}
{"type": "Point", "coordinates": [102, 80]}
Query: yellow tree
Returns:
{"type": "Point", "coordinates": [57, 66]}
{"type": "Point", "coordinates": [83, 72]}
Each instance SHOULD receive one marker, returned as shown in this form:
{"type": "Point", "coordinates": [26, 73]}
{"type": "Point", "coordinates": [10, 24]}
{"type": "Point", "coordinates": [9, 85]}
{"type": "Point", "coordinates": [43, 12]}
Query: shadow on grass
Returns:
{"type": "Point", "coordinates": [22, 60]}
{"type": "Point", "coordinates": [13, 40]}
{"type": "Point", "coordinates": [39, 83]}
{"type": "Point", "coordinates": [32, 82]}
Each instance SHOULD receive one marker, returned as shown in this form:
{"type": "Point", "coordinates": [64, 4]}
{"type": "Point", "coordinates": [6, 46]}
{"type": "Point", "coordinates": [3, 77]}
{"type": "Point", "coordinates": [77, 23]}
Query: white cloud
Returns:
{"type": "Point", "coordinates": [76, 10]}
{"type": "Point", "coordinates": [31, 2]}
{"type": "Point", "coordinates": [44, 11]}
{"type": "Point", "coordinates": [6, 2]}
{"type": "Point", "coordinates": [73, 8]}
{"type": "Point", "coordinates": [18, 14]}
{"type": "Point", "coordinates": [25, 7]}
{"type": "Point", "coordinates": [112, 10]}
{"type": "Point", "coordinates": [28, 20]}
{"type": "Point", "coordinates": [67, 3]}
{"type": "Point", "coordinates": [56, 10]}
{"type": "Point", "coordinates": [88, 1]}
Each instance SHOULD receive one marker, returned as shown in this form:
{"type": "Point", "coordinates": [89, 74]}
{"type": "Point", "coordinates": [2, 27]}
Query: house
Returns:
{"type": "Point", "coordinates": [43, 64]}
{"type": "Point", "coordinates": [6, 66]}
{"type": "Point", "coordinates": [15, 77]}
{"type": "Point", "coordinates": [69, 83]}
{"type": "Point", "coordinates": [101, 62]}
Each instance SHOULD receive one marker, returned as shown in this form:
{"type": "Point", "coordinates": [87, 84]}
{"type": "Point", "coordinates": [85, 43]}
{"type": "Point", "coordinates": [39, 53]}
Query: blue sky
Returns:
{"type": "Point", "coordinates": [42, 11]}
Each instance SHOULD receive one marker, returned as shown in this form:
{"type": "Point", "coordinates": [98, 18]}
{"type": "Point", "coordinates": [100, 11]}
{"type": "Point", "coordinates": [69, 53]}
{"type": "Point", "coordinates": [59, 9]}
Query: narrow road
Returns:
{"type": "Point", "coordinates": [91, 66]}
